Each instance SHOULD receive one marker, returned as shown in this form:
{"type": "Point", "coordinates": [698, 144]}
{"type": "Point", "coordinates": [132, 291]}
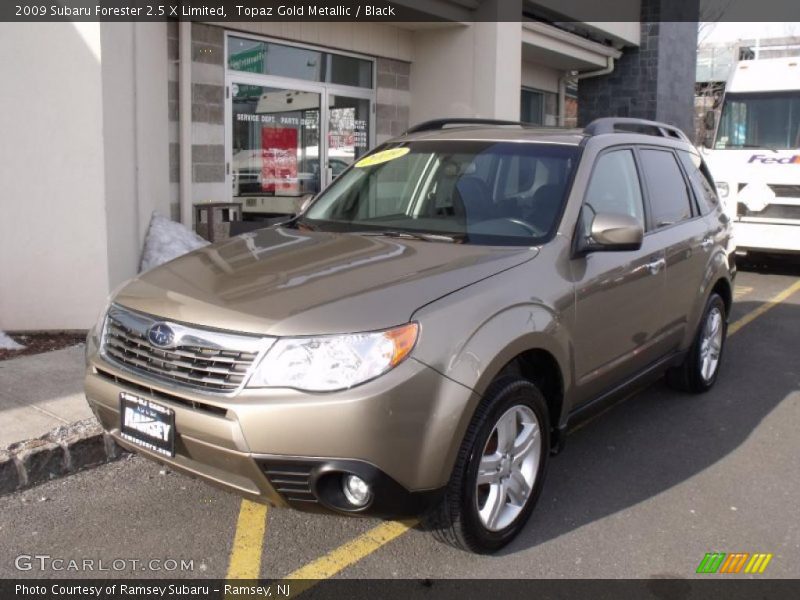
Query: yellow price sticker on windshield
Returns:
{"type": "Point", "coordinates": [382, 157]}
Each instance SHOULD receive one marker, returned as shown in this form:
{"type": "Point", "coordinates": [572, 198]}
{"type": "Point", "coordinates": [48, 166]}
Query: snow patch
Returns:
{"type": "Point", "coordinates": [6, 343]}
{"type": "Point", "coordinates": [166, 240]}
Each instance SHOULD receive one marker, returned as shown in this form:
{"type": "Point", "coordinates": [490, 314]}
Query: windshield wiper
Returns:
{"type": "Point", "coordinates": [425, 237]}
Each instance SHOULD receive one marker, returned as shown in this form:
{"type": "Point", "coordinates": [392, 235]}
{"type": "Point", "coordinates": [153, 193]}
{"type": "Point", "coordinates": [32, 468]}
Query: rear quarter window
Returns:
{"type": "Point", "coordinates": [702, 183]}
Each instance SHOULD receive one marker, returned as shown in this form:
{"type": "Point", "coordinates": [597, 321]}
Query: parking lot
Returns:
{"type": "Point", "coordinates": [644, 490]}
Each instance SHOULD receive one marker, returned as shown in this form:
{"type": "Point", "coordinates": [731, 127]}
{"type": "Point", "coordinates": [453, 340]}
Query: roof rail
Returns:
{"type": "Point", "coordinates": [643, 126]}
{"type": "Point", "coordinates": [436, 124]}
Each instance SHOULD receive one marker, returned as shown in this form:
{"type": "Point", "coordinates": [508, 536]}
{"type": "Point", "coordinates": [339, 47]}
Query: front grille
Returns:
{"type": "Point", "coordinates": [200, 359]}
{"type": "Point", "coordinates": [772, 211]}
{"type": "Point", "coordinates": [292, 481]}
{"type": "Point", "coordinates": [785, 191]}
{"type": "Point", "coordinates": [780, 190]}
{"type": "Point", "coordinates": [144, 389]}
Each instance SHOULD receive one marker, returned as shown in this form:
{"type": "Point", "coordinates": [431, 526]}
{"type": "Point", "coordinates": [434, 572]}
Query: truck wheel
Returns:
{"type": "Point", "coordinates": [499, 472]}
{"type": "Point", "coordinates": [699, 370]}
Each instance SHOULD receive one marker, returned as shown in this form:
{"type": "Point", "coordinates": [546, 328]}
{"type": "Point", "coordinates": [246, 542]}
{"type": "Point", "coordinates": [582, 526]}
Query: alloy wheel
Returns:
{"type": "Point", "coordinates": [711, 344]}
{"type": "Point", "coordinates": [508, 467]}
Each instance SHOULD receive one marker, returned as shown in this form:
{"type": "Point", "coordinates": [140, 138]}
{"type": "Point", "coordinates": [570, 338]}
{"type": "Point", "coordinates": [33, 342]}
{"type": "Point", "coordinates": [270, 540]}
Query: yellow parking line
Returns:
{"type": "Point", "coordinates": [351, 552]}
{"type": "Point", "coordinates": [245, 560]}
{"type": "Point", "coordinates": [761, 309]}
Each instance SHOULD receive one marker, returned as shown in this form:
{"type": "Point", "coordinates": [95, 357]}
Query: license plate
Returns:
{"type": "Point", "coordinates": [147, 424]}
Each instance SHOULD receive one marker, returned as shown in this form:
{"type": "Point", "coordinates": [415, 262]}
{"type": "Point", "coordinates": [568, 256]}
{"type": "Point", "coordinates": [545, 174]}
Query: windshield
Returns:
{"type": "Point", "coordinates": [499, 193]}
{"type": "Point", "coordinates": [764, 120]}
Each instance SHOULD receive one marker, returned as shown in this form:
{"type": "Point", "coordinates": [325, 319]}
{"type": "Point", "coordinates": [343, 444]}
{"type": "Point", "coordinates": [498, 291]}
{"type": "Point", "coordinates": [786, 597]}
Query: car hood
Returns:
{"type": "Point", "coordinates": [281, 281]}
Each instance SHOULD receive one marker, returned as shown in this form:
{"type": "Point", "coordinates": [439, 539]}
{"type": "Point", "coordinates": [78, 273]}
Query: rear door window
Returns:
{"type": "Point", "coordinates": [667, 192]}
{"type": "Point", "coordinates": [701, 180]}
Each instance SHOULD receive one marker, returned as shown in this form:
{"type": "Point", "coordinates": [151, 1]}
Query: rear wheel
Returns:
{"type": "Point", "coordinates": [499, 472]}
{"type": "Point", "coordinates": [700, 368]}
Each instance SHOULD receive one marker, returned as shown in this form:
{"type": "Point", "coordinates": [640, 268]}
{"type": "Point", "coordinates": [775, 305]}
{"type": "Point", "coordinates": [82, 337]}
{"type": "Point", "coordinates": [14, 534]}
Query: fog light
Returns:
{"type": "Point", "coordinates": [356, 490]}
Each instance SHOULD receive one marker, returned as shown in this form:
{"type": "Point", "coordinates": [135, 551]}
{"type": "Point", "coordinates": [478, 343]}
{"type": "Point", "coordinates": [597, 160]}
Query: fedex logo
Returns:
{"type": "Point", "coordinates": [775, 160]}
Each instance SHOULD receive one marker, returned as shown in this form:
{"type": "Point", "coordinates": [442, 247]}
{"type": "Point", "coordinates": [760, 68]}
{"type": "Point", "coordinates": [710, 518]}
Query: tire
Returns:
{"type": "Point", "coordinates": [457, 520]}
{"type": "Point", "coordinates": [692, 375]}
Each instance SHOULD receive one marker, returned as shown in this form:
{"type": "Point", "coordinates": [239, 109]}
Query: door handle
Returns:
{"type": "Point", "coordinates": [655, 266]}
{"type": "Point", "coordinates": [706, 243]}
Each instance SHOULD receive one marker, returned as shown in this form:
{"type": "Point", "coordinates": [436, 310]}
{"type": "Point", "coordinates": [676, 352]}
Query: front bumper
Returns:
{"type": "Point", "coordinates": [767, 237]}
{"type": "Point", "coordinates": [400, 433]}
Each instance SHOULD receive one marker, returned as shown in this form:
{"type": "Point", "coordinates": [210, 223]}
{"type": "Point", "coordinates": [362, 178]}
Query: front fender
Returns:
{"type": "Point", "coordinates": [501, 338]}
{"type": "Point", "coordinates": [468, 340]}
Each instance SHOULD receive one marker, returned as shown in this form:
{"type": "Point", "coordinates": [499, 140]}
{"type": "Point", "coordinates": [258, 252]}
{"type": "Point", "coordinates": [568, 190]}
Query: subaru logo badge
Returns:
{"type": "Point", "coordinates": [161, 335]}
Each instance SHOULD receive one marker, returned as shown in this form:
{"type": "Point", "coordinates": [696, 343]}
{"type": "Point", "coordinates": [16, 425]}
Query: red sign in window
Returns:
{"type": "Point", "coordinates": [279, 160]}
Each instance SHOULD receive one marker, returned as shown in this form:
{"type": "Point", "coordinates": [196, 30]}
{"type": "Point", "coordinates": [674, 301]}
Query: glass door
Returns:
{"type": "Point", "coordinates": [348, 131]}
{"type": "Point", "coordinates": [275, 151]}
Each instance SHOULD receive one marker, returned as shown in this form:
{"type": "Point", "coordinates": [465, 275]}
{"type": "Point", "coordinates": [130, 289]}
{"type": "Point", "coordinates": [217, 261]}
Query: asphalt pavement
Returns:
{"type": "Point", "coordinates": [644, 490]}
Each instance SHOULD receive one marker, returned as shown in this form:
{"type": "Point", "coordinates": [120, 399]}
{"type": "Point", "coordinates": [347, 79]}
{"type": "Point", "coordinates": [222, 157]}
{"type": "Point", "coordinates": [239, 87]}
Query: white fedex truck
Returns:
{"type": "Point", "coordinates": [754, 155]}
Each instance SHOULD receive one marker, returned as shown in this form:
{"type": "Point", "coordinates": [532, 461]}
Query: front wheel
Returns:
{"type": "Point", "coordinates": [499, 472]}
{"type": "Point", "coordinates": [699, 370]}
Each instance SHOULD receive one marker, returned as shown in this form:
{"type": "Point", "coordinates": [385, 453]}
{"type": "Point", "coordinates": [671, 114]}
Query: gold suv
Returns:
{"type": "Point", "coordinates": [421, 337]}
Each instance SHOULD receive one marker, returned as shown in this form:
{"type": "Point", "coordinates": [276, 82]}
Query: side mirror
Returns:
{"type": "Point", "coordinates": [612, 233]}
{"type": "Point", "coordinates": [710, 120]}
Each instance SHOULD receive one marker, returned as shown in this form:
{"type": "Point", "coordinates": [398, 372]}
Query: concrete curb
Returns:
{"type": "Point", "coordinates": [63, 451]}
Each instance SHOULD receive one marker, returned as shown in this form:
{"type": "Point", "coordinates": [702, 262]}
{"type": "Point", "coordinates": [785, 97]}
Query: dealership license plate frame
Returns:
{"type": "Point", "coordinates": [147, 412]}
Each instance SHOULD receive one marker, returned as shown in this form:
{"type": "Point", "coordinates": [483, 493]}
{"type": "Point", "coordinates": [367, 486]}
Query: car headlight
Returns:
{"type": "Point", "coordinates": [722, 189]}
{"type": "Point", "coordinates": [95, 337]}
{"type": "Point", "coordinates": [334, 362]}
{"type": "Point", "coordinates": [101, 320]}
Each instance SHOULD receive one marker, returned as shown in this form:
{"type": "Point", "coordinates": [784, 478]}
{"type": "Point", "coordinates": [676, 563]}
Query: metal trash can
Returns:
{"type": "Point", "coordinates": [212, 220]}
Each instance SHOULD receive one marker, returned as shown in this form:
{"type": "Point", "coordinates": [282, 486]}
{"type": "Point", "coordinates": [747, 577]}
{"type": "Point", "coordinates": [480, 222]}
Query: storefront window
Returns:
{"type": "Point", "coordinates": [348, 132]}
{"type": "Point", "coordinates": [300, 118]}
{"type": "Point", "coordinates": [538, 107]}
{"type": "Point", "coordinates": [347, 70]}
{"type": "Point", "coordinates": [275, 142]}
{"type": "Point", "coordinates": [269, 58]}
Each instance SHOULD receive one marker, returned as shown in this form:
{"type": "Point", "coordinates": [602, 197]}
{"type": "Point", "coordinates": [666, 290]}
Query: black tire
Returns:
{"type": "Point", "coordinates": [688, 377]}
{"type": "Point", "coordinates": [455, 520]}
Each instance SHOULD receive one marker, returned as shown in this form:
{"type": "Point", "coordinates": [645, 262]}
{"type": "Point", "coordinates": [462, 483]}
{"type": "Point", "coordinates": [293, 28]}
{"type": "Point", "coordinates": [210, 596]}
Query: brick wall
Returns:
{"type": "Point", "coordinates": [393, 98]}
{"type": "Point", "coordinates": [174, 135]}
{"type": "Point", "coordinates": [208, 113]}
{"type": "Point", "coordinates": [653, 81]}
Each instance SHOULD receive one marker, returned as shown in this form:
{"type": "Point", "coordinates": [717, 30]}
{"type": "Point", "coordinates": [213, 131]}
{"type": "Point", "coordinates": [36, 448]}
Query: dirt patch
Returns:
{"type": "Point", "coordinates": [36, 343]}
